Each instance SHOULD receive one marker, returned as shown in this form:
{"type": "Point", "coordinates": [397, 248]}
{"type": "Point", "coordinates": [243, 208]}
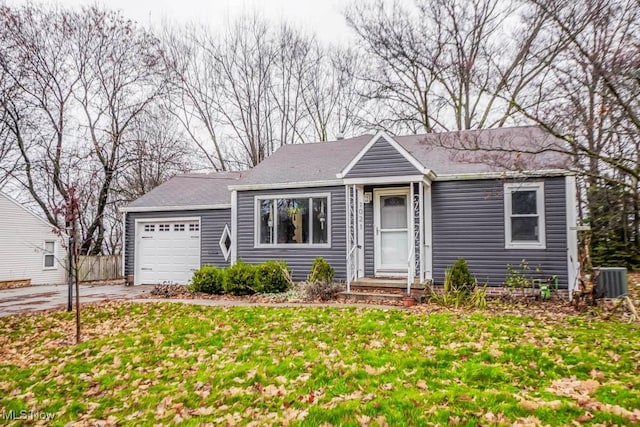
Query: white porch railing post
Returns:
{"type": "Point", "coordinates": [348, 209]}
{"type": "Point", "coordinates": [421, 248]}
{"type": "Point", "coordinates": [411, 239]}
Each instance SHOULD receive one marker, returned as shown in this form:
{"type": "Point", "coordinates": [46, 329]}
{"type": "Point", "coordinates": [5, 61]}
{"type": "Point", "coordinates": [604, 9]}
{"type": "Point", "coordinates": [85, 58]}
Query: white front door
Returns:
{"type": "Point", "coordinates": [391, 231]}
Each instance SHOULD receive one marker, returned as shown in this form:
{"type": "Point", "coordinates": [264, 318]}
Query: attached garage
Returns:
{"type": "Point", "coordinates": [177, 227]}
{"type": "Point", "coordinates": [168, 250]}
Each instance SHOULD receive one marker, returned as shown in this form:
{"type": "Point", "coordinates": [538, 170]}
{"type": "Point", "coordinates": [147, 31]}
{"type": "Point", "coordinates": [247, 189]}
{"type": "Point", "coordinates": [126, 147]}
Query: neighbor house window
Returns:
{"type": "Point", "coordinates": [296, 220]}
{"type": "Point", "coordinates": [524, 215]}
{"type": "Point", "coordinates": [49, 254]}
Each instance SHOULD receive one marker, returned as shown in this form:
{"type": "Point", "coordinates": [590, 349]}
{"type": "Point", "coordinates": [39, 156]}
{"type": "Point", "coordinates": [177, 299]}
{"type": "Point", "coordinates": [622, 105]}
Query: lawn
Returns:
{"type": "Point", "coordinates": [173, 363]}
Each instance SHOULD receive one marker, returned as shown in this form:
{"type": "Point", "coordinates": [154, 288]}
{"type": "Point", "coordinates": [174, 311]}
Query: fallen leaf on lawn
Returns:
{"type": "Point", "coordinates": [364, 420]}
{"type": "Point", "coordinates": [527, 422]}
{"type": "Point", "coordinates": [422, 384]}
{"type": "Point", "coordinates": [203, 411]}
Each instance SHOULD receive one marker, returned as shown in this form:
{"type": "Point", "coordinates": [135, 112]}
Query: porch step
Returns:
{"type": "Point", "coordinates": [387, 283]}
{"type": "Point", "coordinates": [370, 296]}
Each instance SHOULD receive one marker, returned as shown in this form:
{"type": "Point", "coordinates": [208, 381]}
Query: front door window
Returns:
{"type": "Point", "coordinates": [392, 232]}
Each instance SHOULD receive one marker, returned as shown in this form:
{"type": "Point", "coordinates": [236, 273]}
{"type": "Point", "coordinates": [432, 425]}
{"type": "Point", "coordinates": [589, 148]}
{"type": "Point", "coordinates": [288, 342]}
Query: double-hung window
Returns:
{"type": "Point", "coordinates": [524, 215]}
{"type": "Point", "coordinates": [49, 255]}
{"type": "Point", "coordinates": [293, 220]}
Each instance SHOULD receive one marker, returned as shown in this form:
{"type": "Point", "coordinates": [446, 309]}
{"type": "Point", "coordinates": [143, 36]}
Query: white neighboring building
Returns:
{"type": "Point", "coordinates": [29, 249]}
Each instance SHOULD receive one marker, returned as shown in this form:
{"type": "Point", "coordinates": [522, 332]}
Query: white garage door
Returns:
{"type": "Point", "coordinates": [167, 251]}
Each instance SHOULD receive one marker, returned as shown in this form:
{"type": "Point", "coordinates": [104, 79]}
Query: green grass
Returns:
{"type": "Point", "coordinates": [173, 363]}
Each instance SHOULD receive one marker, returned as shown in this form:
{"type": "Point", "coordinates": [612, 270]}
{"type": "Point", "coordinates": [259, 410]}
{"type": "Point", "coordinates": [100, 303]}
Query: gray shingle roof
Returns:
{"type": "Point", "coordinates": [485, 151]}
{"type": "Point", "coordinates": [444, 153]}
{"type": "Point", "coordinates": [319, 161]}
{"type": "Point", "coordinates": [524, 148]}
{"type": "Point", "coordinates": [189, 190]}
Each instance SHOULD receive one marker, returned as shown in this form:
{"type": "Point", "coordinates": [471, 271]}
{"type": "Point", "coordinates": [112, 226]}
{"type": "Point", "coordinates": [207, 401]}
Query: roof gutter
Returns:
{"type": "Point", "coordinates": [505, 174]}
{"type": "Point", "coordinates": [173, 208]}
{"type": "Point", "coordinates": [284, 185]}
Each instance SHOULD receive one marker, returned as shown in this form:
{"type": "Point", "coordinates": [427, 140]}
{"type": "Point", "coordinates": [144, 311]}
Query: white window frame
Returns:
{"type": "Point", "coordinates": [511, 188]}
{"type": "Point", "coordinates": [45, 254]}
{"type": "Point", "coordinates": [256, 220]}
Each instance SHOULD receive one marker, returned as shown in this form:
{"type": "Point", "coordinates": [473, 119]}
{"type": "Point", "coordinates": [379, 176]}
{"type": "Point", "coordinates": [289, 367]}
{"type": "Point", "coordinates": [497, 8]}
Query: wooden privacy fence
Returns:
{"type": "Point", "coordinates": [100, 267]}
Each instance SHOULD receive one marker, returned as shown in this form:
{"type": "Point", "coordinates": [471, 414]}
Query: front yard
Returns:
{"type": "Point", "coordinates": [164, 363]}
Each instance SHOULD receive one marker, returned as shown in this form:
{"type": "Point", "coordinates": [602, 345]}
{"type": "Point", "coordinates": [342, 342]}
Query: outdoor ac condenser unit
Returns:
{"type": "Point", "coordinates": [612, 282]}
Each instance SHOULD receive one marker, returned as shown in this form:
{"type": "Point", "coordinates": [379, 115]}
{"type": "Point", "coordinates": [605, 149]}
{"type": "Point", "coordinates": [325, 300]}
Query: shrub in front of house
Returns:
{"type": "Point", "coordinates": [460, 278]}
{"type": "Point", "coordinates": [208, 279]}
{"type": "Point", "coordinates": [272, 277]}
{"type": "Point", "coordinates": [240, 279]}
{"type": "Point", "coordinates": [321, 291]}
{"type": "Point", "coordinates": [321, 271]}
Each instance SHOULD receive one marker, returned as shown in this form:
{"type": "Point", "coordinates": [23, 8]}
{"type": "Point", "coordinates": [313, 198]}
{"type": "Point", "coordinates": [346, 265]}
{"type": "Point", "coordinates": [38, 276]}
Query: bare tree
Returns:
{"type": "Point", "coordinates": [120, 77]}
{"type": "Point", "coordinates": [332, 93]}
{"type": "Point", "coordinates": [34, 60]}
{"type": "Point", "coordinates": [446, 64]}
{"type": "Point", "coordinates": [592, 103]}
{"type": "Point", "coordinates": [195, 94]}
{"type": "Point", "coordinates": [76, 85]}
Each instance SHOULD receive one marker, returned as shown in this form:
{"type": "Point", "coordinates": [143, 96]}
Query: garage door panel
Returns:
{"type": "Point", "coordinates": [167, 251]}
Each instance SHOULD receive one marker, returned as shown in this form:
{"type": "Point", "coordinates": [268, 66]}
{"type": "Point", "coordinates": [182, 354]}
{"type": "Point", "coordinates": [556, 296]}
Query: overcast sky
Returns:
{"type": "Point", "coordinates": [324, 17]}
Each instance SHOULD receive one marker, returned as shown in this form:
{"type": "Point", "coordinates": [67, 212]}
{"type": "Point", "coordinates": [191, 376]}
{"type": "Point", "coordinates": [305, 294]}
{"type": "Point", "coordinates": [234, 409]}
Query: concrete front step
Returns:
{"type": "Point", "coordinates": [388, 283]}
{"type": "Point", "coordinates": [370, 296]}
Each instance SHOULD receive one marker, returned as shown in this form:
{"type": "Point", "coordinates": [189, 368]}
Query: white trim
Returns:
{"type": "Point", "coordinates": [381, 134]}
{"type": "Point", "coordinates": [506, 174]}
{"type": "Point", "coordinates": [377, 192]}
{"type": "Point", "coordinates": [140, 221]}
{"type": "Point", "coordinates": [573, 265]}
{"type": "Point", "coordinates": [285, 185]}
{"type": "Point", "coordinates": [421, 225]}
{"type": "Point", "coordinates": [256, 220]}
{"type": "Point", "coordinates": [400, 179]}
{"type": "Point", "coordinates": [124, 245]}
{"type": "Point", "coordinates": [428, 234]}
{"type": "Point", "coordinates": [225, 233]}
{"type": "Point", "coordinates": [234, 226]}
{"type": "Point", "coordinates": [174, 208]}
{"type": "Point", "coordinates": [411, 249]}
{"type": "Point", "coordinates": [510, 188]}
{"type": "Point", "coordinates": [360, 235]}
{"type": "Point", "coordinates": [52, 253]}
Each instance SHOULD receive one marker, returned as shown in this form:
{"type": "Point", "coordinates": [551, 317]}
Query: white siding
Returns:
{"type": "Point", "coordinates": [22, 237]}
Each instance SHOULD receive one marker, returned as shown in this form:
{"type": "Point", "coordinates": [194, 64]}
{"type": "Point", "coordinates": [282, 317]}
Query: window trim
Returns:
{"type": "Point", "coordinates": [45, 254]}
{"type": "Point", "coordinates": [256, 220]}
{"type": "Point", "coordinates": [511, 188]}
{"type": "Point", "coordinates": [226, 253]}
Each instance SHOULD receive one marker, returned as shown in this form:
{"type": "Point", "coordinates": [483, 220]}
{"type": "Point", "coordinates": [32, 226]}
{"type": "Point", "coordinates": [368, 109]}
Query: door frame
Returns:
{"type": "Point", "coordinates": [377, 193]}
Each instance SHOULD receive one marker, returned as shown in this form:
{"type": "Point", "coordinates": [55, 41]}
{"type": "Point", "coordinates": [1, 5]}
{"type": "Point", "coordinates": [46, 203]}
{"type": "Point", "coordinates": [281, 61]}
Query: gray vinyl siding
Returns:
{"type": "Point", "coordinates": [382, 160]}
{"type": "Point", "coordinates": [212, 224]}
{"type": "Point", "coordinates": [299, 259]}
{"type": "Point", "coordinates": [468, 222]}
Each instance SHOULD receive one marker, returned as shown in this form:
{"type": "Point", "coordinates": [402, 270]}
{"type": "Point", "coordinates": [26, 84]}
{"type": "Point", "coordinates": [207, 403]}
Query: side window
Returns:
{"type": "Point", "coordinates": [524, 216]}
{"type": "Point", "coordinates": [49, 255]}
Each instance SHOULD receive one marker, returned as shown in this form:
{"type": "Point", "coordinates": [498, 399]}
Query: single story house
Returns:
{"type": "Point", "coordinates": [372, 206]}
{"type": "Point", "coordinates": [30, 250]}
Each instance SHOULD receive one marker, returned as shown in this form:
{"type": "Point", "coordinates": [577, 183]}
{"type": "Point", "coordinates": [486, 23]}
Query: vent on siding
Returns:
{"type": "Point", "coordinates": [612, 282]}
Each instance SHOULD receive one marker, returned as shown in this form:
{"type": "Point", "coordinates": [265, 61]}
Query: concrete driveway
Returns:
{"type": "Point", "coordinates": [37, 298]}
